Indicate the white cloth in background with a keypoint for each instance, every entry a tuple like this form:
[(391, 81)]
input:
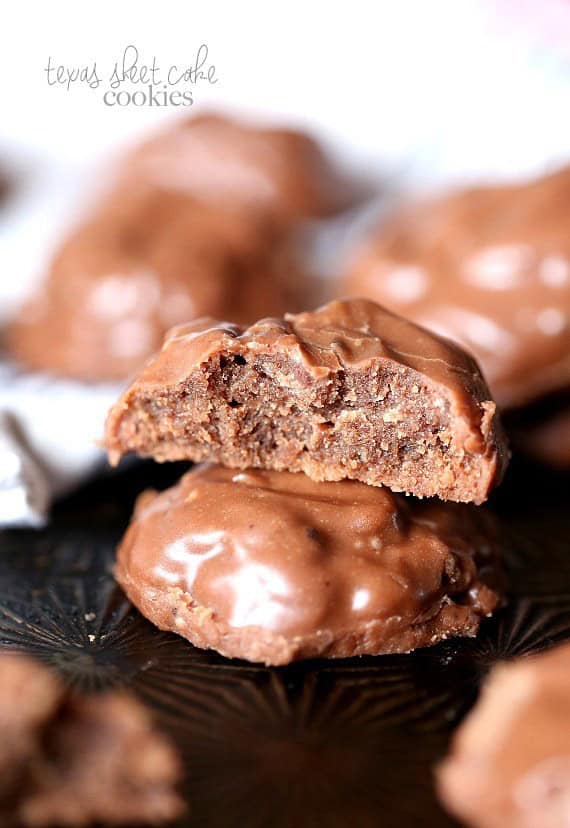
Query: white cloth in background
[(48, 440)]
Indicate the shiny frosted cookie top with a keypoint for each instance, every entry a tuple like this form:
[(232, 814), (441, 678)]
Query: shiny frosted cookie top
[(349, 390), (489, 268), (341, 334), (278, 551)]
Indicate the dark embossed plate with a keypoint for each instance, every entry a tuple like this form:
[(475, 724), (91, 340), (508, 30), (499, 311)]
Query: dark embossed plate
[(344, 743)]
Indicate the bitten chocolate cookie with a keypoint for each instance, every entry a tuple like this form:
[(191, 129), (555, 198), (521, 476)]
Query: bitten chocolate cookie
[(509, 765), (489, 268), (228, 161), (347, 391), (273, 567), (146, 260), (73, 760)]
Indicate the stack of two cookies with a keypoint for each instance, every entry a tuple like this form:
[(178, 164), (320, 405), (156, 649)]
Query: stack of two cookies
[(288, 541)]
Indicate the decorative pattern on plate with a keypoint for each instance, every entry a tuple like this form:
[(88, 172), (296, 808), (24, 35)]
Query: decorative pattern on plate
[(315, 744)]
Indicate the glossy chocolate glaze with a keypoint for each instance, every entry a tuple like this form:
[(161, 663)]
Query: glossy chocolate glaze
[(279, 552), (308, 353), (509, 765), (488, 267), (341, 334)]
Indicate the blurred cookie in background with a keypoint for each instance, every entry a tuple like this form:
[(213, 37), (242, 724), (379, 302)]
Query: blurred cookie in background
[(204, 219), (223, 160), (488, 267), (509, 763), (145, 260), (30, 696), (72, 759)]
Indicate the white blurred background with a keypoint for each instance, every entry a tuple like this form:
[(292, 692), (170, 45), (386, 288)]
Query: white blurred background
[(423, 93)]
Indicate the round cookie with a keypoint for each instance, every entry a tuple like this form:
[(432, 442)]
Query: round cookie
[(509, 765), (146, 260), (489, 268), (274, 567), (224, 161)]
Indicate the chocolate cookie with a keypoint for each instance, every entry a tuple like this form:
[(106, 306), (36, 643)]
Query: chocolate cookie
[(509, 765), (105, 764), (488, 267), (347, 391), (74, 760), (273, 567), (146, 260), (228, 161), (30, 695)]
